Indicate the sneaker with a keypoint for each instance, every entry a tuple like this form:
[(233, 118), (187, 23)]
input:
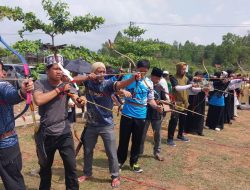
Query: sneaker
[(183, 138), (170, 142), (217, 129), (136, 168)]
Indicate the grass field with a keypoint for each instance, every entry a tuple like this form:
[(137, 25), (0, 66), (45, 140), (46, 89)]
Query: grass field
[(220, 160)]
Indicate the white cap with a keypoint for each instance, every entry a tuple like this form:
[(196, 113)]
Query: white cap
[(224, 74), (96, 65), (166, 72)]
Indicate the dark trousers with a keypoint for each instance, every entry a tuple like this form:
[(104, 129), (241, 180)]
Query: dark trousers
[(128, 127), (10, 168), (175, 117), (215, 117), (65, 145)]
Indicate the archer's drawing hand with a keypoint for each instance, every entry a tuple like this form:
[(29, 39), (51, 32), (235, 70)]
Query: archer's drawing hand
[(27, 86)]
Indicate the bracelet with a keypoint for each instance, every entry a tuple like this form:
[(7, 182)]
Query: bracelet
[(57, 91)]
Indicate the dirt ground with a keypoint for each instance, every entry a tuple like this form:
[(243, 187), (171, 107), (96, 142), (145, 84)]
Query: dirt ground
[(220, 160)]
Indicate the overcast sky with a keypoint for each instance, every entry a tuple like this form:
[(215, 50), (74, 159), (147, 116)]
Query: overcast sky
[(153, 11)]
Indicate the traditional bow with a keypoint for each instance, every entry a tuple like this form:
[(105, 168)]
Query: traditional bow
[(121, 54), (26, 73)]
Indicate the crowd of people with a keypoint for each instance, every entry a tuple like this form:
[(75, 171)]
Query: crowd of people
[(145, 101)]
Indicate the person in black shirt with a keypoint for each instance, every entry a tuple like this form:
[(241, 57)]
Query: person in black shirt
[(153, 116)]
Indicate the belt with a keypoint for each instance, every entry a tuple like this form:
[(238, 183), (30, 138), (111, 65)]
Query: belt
[(2, 102), (135, 104), (7, 134)]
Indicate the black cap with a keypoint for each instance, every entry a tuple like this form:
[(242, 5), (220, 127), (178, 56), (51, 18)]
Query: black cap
[(157, 72), (197, 73), (143, 63), (229, 72)]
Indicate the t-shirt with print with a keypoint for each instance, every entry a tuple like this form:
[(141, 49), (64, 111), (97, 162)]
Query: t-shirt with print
[(141, 91), (54, 114), (99, 93)]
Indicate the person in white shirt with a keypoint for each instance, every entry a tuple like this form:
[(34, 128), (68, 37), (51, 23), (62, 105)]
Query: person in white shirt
[(164, 84)]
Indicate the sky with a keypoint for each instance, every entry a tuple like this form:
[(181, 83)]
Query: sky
[(118, 14)]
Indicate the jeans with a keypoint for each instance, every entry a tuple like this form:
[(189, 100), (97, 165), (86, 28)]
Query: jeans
[(10, 168)]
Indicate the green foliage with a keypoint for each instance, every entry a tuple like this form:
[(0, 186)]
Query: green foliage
[(40, 68), (4, 52), (60, 20), (234, 49), (73, 52), (27, 46), (10, 13), (134, 32)]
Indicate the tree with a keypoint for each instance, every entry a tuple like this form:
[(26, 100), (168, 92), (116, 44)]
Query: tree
[(60, 20), (134, 32), (118, 37), (12, 14)]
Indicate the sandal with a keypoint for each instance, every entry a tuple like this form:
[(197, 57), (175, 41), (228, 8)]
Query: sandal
[(159, 157), (83, 178), (115, 182)]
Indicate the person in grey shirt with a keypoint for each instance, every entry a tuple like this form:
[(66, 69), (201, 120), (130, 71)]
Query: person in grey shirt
[(99, 121), (51, 97)]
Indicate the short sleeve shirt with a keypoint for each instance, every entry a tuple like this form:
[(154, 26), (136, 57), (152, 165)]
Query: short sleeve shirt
[(54, 114), (141, 91)]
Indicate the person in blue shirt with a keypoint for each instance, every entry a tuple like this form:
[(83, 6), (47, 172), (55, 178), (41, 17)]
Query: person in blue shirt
[(10, 155), (135, 108), (215, 115), (99, 118), (216, 109)]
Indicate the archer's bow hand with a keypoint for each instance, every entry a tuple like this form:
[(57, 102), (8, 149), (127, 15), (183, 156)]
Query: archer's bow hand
[(27, 86), (166, 108), (81, 101), (92, 76)]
